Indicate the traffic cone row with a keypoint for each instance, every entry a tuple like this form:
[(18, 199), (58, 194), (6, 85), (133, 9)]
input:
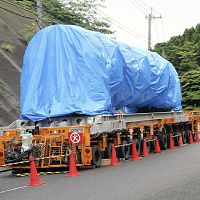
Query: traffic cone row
[(35, 180)]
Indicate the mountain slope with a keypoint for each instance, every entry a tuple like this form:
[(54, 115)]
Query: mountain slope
[(12, 47)]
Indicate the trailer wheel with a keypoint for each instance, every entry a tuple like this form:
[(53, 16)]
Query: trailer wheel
[(96, 156), (176, 140), (183, 137), (163, 141), (107, 152), (124, 150), (152, 144), (187, 133)]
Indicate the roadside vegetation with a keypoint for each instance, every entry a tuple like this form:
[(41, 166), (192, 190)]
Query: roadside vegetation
[(183, 52)]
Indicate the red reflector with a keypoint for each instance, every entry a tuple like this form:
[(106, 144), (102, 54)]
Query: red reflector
[(1, 154), (87, 150)]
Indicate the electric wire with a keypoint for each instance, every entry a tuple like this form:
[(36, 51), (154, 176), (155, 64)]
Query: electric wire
[(143, 5), (138, 7), (121, 26)]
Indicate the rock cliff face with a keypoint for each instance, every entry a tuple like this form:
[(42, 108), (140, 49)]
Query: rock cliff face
[(12, 47)]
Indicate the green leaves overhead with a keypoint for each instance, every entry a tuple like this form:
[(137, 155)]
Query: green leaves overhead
[(77, 12)]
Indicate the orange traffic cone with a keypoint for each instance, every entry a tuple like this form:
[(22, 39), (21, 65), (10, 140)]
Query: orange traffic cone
[(197, 137), (114, 160), (34, 178), (171, 142), (72, 166), (134, 152), (191, 138), (145, 150), (157, 146), (180, 140)]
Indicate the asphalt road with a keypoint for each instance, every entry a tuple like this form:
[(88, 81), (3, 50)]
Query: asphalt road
[(171, 175)]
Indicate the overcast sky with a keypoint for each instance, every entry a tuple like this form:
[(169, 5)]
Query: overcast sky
[(128, 19)]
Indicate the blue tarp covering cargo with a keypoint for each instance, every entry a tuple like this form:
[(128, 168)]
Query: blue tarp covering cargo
[(67, 69)]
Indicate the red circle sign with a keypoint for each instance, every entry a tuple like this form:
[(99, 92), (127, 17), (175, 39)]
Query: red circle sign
[(75, 138)]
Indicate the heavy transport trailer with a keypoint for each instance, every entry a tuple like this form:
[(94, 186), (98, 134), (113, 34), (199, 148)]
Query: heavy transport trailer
[(90, 138)]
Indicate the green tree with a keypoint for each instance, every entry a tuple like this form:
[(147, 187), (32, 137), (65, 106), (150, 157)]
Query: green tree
[(190, 83), (77, 12), (184, 53)]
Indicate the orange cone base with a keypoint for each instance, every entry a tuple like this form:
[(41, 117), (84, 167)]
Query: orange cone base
[(69, 175), (36, 183), (138, 158), (158, 151)]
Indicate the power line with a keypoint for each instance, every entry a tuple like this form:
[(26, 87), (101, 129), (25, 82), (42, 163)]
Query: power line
[(123, 27), (143, 5), (138, 7)]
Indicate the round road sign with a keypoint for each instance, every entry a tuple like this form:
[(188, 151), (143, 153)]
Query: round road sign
[(75, 138)]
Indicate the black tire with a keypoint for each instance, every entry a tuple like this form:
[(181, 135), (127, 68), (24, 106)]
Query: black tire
[(138, 146), (152, 144), (187, 133), (176, 140), (183, 137), (124, 150), (96, 156), (163, 141), (107, 152)]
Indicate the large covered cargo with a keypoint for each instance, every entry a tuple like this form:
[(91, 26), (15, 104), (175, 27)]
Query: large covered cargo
[(67, 70)]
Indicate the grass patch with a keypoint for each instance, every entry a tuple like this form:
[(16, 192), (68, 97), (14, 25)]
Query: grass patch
[(8, 47)]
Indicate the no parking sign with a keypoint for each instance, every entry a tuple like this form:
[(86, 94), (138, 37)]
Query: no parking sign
[(76, 137)]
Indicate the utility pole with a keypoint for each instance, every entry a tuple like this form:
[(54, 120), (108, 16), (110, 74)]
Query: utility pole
[(150, 17), (39, 13)]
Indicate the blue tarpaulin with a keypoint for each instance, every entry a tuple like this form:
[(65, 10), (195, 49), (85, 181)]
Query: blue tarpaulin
[(67, 69)]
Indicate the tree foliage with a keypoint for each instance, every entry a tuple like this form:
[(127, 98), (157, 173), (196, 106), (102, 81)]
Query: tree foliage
[(76, 12), (190, 82), (184, 53)]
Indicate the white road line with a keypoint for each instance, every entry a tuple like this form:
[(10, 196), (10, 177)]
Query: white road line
[(1, 192)]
